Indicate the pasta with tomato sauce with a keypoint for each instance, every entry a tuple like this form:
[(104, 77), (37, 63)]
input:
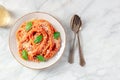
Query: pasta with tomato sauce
[(37, 40)]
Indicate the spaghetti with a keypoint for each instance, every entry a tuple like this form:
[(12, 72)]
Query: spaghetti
[(37, 40)]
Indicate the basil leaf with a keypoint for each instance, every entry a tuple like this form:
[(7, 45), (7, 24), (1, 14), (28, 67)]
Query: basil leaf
[(25, 54), (38, 39), (56, 35), (28, 26), (40, 58)]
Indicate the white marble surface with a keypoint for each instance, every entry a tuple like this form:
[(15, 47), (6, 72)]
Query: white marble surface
[(100, 38)]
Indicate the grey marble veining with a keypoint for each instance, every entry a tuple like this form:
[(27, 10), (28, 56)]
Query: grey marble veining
[(100, 39)]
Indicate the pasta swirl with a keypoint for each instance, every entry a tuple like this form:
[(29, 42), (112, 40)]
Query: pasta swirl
[(41, 31)]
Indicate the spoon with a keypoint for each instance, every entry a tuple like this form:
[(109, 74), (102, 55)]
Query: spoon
[(74, 22), (73, 26), (82, 60), (76, 25)]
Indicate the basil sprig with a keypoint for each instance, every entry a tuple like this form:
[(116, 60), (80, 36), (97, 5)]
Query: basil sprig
[(56, 35), (40, 58), (28, 26), (38, 39), (25, 54)]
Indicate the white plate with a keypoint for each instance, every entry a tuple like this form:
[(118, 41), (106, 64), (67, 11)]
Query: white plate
[(13, 43)]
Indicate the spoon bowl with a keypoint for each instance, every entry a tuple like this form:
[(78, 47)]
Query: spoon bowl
[(75, 23)]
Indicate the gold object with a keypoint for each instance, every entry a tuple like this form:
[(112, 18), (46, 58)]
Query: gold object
[(4, 16)]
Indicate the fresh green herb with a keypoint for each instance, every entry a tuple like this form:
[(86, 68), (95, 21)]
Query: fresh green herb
[(40, 58), (28, 26), (56, 35), (38, 39), (25, 54)]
